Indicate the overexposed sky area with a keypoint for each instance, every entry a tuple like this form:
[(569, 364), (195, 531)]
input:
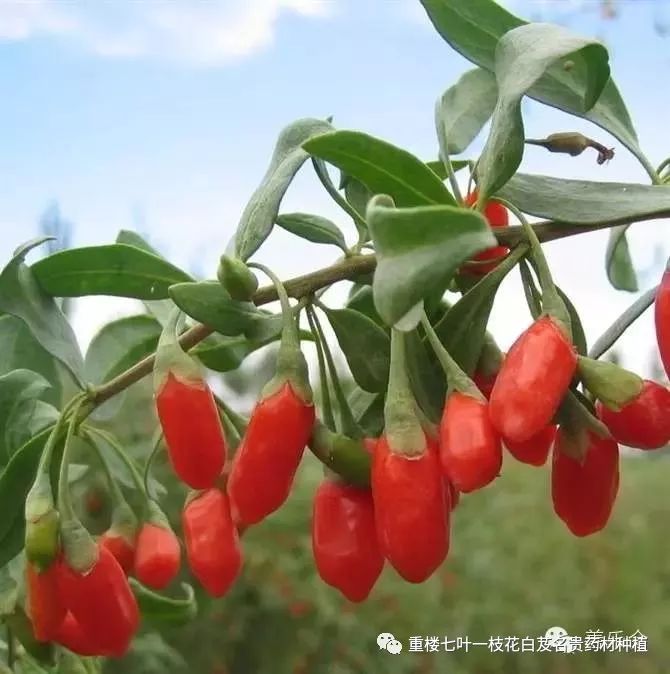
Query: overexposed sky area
[(162, 115)]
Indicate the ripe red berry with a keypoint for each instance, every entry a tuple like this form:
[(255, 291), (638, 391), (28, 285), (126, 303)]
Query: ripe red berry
[(45, 607), (662, 319), (535, 450), (643, 422), (72, 636), (470, 449), (484, 382), (497, 216), (212, 542), (268, 457), (101, 601), (192, 429), (122, 549), (344, 539), (411, 509), (157, 556), (532, 381), (583, 493)]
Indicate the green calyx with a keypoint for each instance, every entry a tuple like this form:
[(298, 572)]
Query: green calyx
[(577, 419), (172, 359), (124, 522), (291, 363), (345, 456), (611, 384), (402, 426), (156, 516), (42, 524), (236, 278), (79, 548)]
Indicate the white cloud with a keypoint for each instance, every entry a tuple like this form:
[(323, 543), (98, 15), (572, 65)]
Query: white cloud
[(198, 32)]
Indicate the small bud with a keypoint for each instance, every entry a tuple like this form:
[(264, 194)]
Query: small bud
[(611, 384), (236, 278)]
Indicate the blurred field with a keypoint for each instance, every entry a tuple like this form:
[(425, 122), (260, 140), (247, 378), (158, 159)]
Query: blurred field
[(513, 570)]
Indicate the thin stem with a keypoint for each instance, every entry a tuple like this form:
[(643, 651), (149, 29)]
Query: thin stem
[(290, 329), (451, 174), (662, 166), (238, 422), (627, 318), (324, 179), (533, 298), (64, 497), (119, 451), (147, 466), (326, 402), (457, 380), (11, 648), (349, 425)]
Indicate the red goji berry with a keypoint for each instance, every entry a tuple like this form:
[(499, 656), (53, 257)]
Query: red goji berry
[(72, 636), (122, 549), (484, 382), (193, 432), (411, 510), (532, 381), (497, 217), (583, 493), (662, 319), (212, 542), (535, 450), (45, 608), (157, 555), (470, 449), (101, 601), (643, 422), (344, 539), (453, 496), (268, 457)]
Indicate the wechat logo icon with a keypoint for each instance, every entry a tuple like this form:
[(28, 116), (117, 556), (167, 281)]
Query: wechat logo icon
[(387, 642)]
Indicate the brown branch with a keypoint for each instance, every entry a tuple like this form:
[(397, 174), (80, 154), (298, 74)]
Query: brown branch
[(347, 269)]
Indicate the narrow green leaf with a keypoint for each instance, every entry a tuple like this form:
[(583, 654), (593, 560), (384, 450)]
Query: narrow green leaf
[(474, 28), (117, 269), (619, 265), (382, 167), (586, 202), (437, 166), (19, 391), (523, 55), (209, 303), (120, 344), (578, 334), (15, 482), (462, 329), (463, 109), (314, 228), (362, 300), (165, 610), (365, 345), (21, 296), (225, 354), (426, 376), (27, 420), (261, 212), (358, 196), (368, 410), (419, 250)]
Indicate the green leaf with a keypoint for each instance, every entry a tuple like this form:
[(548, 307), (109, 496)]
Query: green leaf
[(27, 420), (586, 202), (22, 297), (116, 269), (419, 250), (463, 109), (160, 309), (261, 212), (437, 167), (209, 303), (224, 354), (13, 540), (474, 28), (365, 345), (19, 391), (368, 410), (120, 344), (578, 334), (523, 55), (462, 329), (358, 196), (361, 299), (165, 610), (15, 482), (619, 265), (425, 374), (314, 228), (382, 167)]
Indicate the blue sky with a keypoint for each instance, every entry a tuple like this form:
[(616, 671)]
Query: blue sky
[(164, 115)]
